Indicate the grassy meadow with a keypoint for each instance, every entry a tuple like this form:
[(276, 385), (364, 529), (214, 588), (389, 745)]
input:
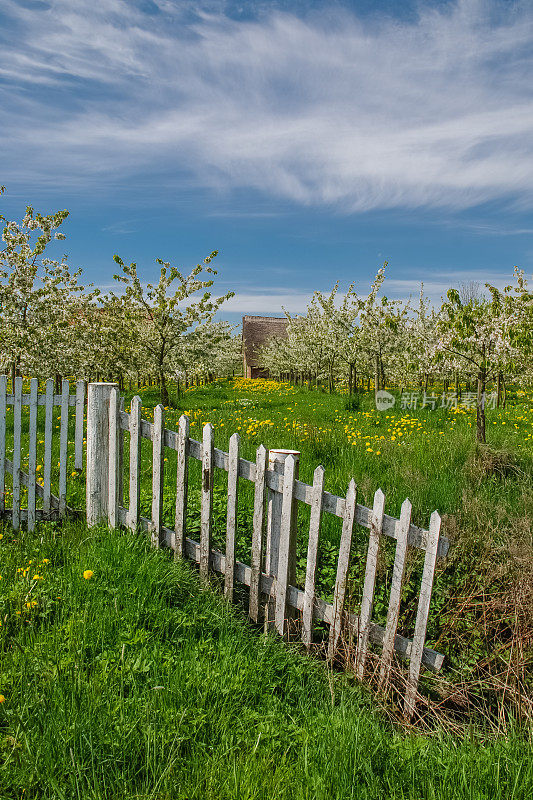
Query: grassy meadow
[(481, 611), (120, 678)]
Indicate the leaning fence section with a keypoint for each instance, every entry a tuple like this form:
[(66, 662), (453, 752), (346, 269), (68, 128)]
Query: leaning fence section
[(271, 571)]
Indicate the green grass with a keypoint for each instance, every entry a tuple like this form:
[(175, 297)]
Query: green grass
[(137, 684), (484, 495)]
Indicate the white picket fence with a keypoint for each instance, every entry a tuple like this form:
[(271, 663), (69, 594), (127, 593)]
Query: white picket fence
[(271, 574), (54, 506)]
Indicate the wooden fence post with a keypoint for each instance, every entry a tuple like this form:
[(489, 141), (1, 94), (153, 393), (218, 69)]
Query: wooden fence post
[(276, 463), (98, 398), (182, 487), (207, 501)]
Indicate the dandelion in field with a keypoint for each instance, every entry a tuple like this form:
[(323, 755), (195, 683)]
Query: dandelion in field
[(88, 573), (2, 698), (38, 577)]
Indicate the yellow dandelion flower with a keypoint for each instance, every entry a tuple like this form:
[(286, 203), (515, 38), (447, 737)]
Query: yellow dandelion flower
[(88, 573)]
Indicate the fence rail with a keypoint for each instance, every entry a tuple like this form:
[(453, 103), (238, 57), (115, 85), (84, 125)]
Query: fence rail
[(271, 573)]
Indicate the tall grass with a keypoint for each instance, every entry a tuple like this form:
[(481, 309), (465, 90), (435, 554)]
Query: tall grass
[(135, 683)]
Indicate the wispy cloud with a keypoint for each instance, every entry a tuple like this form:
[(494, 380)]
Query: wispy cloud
[(356, 114)]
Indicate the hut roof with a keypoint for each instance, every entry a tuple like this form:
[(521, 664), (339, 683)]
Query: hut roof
[(257, 331)]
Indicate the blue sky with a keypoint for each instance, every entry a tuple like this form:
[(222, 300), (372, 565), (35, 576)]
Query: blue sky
[(306, 141)]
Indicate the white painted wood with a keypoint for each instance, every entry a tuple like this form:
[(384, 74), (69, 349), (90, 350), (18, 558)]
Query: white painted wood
[(312, 552), (98, 395), (367, 600), (17, 429), (182, 486), (48, 434), (422, 613), (3, 410), (158, 452), (276, 466), (286, 540), (32, 453), (231, 519), (113, 465), (343, 565), (78, 435), (135, 463), (63, 447), (207, 501), (257, 534), (395, 596), (120, 455)]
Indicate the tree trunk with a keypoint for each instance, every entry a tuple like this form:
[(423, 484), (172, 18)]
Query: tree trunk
[(164, 389), (376, 376), (58, 383), (499, 390), (457, 386), (480, 407)]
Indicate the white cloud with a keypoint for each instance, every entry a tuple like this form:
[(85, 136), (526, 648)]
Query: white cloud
[(324, 110)]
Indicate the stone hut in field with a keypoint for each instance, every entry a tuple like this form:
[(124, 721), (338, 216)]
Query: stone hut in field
[(256, 333)]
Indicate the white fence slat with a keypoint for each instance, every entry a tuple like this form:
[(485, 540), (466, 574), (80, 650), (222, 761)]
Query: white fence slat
[(17, 430), (78, 435), (422, 613), (231, 520), (207, 501), (63, 448), (97, 458), (367, 600), (48, 433), (135, 462), (3, 409), (32, 453), (120, 455), (284, 555), (395, 596), (257, 534), (312, 551), (182, 486), (113, 467), (343, 565), (158, 452)]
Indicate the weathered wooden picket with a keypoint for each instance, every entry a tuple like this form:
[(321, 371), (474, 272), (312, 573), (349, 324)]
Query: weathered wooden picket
[(271, 574)]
